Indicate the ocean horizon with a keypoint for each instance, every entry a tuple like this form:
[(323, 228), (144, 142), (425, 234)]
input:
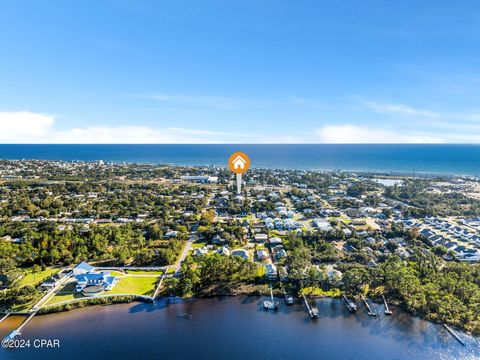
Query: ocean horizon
[(445, 159)]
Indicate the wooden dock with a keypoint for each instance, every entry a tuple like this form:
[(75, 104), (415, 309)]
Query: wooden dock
[(387, 310), (157, 289), (4, 317), (367, 305), (454, 334), (312, 311), (184, 315), (351, 306), (18, 331)]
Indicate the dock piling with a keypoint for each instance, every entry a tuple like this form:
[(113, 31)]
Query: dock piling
[(454, 334), (387, 310)]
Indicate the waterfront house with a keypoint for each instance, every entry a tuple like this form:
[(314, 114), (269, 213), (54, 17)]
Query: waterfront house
[(102, 279), (271, 272)]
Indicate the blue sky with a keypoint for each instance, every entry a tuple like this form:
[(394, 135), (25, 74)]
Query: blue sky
[(239, 71)]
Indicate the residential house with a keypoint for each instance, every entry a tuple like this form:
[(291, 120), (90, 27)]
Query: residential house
[(82, 268), (241, 252), (53, 281), (271, 272)]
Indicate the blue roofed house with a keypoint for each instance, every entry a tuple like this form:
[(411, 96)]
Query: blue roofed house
[(87, 277), (102, 279)]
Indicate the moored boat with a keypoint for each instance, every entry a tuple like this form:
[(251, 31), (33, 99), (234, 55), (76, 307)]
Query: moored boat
[(351, 306)]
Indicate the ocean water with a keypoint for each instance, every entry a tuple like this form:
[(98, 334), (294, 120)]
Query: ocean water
[(435, 159)]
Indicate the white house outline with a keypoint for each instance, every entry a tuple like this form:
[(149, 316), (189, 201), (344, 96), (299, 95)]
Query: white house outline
[(239, 163)]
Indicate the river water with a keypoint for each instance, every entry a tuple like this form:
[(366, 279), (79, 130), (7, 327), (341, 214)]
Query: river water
[(236, 328)]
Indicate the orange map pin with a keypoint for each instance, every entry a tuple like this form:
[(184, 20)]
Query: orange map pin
[(239, 163)]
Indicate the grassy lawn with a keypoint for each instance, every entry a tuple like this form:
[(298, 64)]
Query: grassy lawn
[(116, 273), (141, 272), (24, 307), (199, 244), (34, 279), (314, 291), (261, 271), (64, 294), (260, 247), (134, 285)]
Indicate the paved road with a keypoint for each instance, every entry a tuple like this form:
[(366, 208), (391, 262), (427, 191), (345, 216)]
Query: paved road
[(185, 252)]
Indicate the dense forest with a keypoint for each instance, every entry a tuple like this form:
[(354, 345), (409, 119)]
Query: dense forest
[(426, 286)]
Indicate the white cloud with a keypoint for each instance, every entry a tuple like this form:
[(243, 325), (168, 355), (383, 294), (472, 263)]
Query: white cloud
[(27, 127), (353, 134), (398, 109), (23, 125)]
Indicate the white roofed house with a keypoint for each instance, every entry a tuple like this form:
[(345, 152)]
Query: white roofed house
[(322, 224), (262, 255), (275, 241), (82, 268), (224, 250), (261, 237), (200, 251), (244, 254), (271, 272)]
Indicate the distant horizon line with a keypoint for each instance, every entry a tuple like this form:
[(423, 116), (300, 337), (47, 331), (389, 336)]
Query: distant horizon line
[(242, 144)]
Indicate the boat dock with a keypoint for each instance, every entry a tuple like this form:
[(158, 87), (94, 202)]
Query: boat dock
[(157, 289), (387, 310), (351, 306), (184, 315), (4, 317), (454, 334), (367, 305), (312, 311), (17, 331), (271, 304)]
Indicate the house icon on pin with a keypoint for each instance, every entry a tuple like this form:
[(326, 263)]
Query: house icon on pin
[(239, 163)]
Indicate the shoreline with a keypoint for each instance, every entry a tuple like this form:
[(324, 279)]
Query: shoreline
[(365, 172), (117, 300)]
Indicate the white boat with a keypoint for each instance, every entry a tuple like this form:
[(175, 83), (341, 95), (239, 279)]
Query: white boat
[(271, 304), (289, 300), (12, 335)]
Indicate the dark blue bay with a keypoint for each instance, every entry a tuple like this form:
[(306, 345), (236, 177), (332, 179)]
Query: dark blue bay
[(238, 328)]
